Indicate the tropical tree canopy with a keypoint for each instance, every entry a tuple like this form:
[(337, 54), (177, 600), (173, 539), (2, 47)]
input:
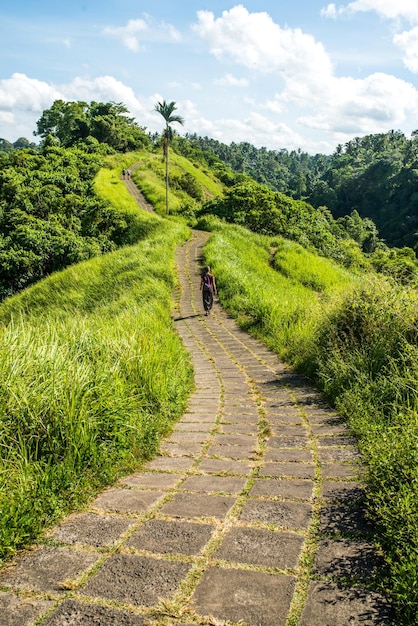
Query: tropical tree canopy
[(73, 123)]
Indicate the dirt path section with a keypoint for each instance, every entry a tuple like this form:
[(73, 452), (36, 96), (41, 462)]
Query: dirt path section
[(252, 513), (135, 192)]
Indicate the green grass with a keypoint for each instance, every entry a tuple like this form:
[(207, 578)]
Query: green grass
[(150, 178), (276, 307), (92, 375), (357, 338)]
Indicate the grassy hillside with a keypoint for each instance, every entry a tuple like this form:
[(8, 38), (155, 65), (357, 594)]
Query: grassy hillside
[(92, 375), (191, 183), (357, 338)]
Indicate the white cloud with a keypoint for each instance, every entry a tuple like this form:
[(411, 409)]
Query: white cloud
[(389, 9), (255, 41), (139, 30), (305, 74), (232, 81), (28, 94), (364, 106), (24, 99), (255, 128), (408, 42), (330, 11)]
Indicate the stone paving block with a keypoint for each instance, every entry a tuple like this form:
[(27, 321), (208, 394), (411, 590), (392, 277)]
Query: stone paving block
[(286, 455), (247, 441), (340, 518), (339, 490), (283, 514), (196, 505), (208, 417), (349, 559), (284, 417), (46, 569), (208, 484), (189, 427), (126, 500), (16, 611), (295, 441), (250, 429), (171, 464), (294, 489), (331, 426), (165, 537), (333, 440), (238, 453), (149, 480), (338, 470), (339, 455), (239, 417), (136, 580), (331, 605), (224, 466), (256, 598), (73, 613), (186, 437), (286, 430), (290, 470), (90, 529), (258, 546), (181, 449)]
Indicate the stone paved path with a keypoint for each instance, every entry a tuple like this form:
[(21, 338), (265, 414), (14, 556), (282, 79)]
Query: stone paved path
[(252, 514)]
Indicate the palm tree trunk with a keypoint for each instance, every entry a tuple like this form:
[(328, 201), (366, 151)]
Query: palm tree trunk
[(166, 178)]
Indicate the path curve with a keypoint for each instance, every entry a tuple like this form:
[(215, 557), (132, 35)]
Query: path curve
[(252, 512)]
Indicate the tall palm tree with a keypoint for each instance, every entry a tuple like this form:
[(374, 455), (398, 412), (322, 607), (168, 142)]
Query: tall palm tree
[(166, 110)]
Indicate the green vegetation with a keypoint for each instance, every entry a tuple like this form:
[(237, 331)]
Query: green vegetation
[(166, 110), (92, 374), (86, 394), (357, 338), (95, 127), (350, 241), (190, 184), (50, 216), (375, 175)]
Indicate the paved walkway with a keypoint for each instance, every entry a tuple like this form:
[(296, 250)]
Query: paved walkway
[(252, 514)]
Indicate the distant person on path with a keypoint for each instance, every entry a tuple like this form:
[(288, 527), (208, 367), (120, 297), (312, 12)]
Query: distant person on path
[(208, 288)]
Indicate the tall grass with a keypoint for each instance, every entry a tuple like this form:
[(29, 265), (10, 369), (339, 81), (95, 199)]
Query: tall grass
[(150, 178), (277, 307), (357, 337), (91, 376)]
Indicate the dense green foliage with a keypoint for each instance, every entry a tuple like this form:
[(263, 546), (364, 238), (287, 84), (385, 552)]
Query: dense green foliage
[(291, 173), (350, 240), (378, 176), (359, 343), (91, 126), (87, 394), (375, 175), (50, 216)]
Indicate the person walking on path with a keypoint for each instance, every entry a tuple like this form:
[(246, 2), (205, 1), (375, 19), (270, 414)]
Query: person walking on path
[(208, 288)]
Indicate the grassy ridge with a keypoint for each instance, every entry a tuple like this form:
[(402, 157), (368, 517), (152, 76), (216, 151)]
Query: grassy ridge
[(358, 339), (92, 375), (150, 178)]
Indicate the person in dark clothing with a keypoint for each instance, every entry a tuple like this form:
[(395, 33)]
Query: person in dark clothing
[(208, 288)]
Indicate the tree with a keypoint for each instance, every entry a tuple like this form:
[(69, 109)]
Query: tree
[(166, 110)]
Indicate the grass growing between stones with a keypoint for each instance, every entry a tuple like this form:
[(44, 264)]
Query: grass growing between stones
[(91, 376), (356, 337)]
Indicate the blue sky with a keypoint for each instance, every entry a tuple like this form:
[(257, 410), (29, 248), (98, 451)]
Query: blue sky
[(305, 74)]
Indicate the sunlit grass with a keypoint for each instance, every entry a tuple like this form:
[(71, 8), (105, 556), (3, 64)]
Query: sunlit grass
[(357, 337), (92, 375)]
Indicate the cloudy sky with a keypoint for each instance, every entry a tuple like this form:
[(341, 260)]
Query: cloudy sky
[(289, 74)]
